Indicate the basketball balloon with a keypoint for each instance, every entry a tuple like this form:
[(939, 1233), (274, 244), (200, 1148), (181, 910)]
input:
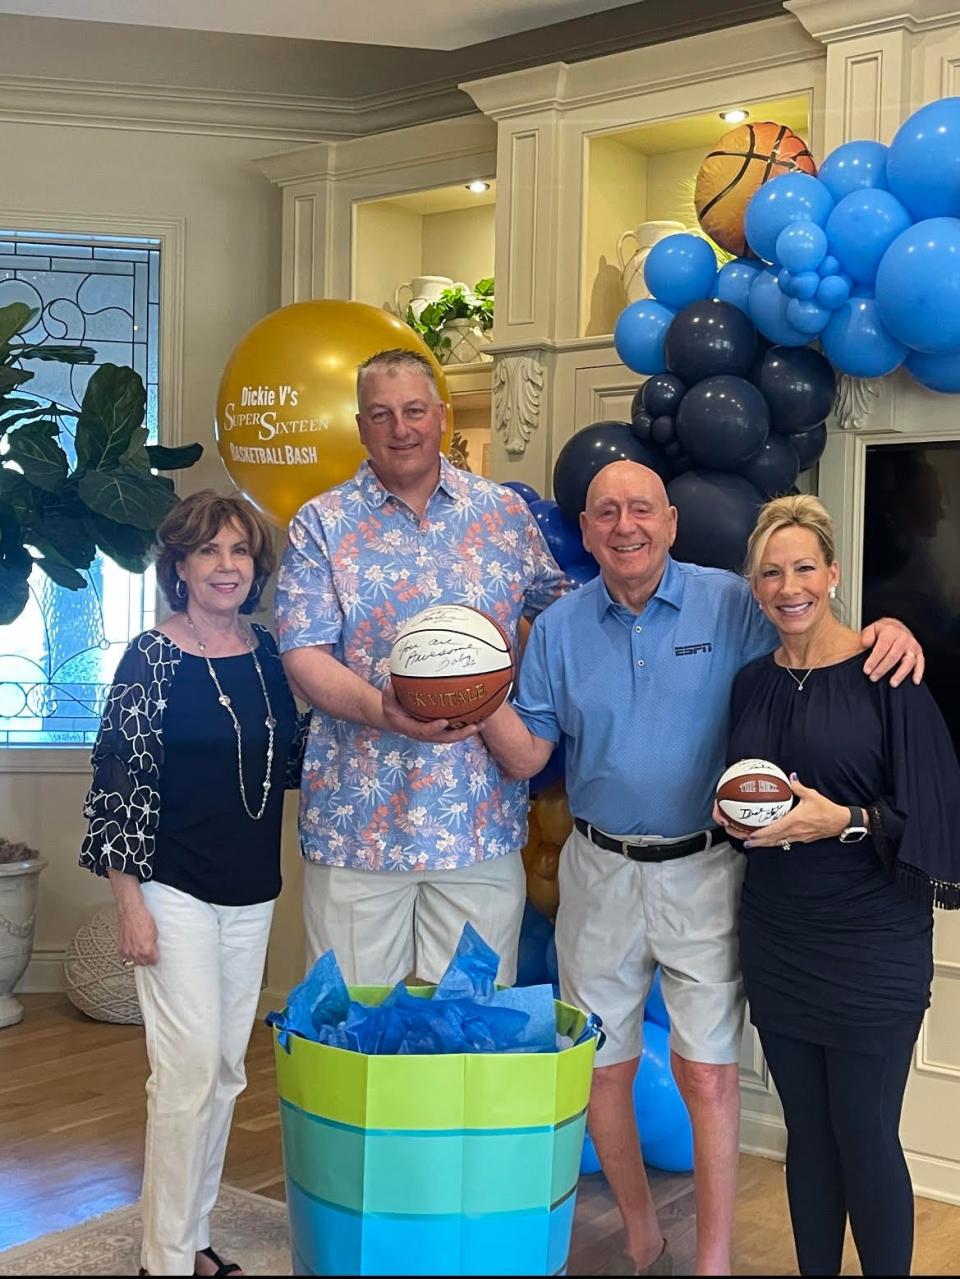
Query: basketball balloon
[(286, 409), (739, 164), (451, 662)]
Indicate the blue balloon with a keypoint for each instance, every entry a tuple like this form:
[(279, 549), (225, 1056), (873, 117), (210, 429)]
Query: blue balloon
[(793, 197), (554, 770), (722, 421), (923, 163), (526, 491), (829, 265), (785, 279), (768, 310), (680, 269), (551, 959), (801, 246), (918, 286), (857, 342), (589, 1159), (808, 317), (833, 291), (673, 1153), (805, 285), (774, 469), (734, 280), (862, 227), (562, 537), (936, 372), (655, 1009), (580, 574), (854, 166), (639, 335), (532, 960), (533, 924)]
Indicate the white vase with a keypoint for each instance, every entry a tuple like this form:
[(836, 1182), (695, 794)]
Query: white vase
[(645, 237), (19, 882), (467, 342), (423, 289)]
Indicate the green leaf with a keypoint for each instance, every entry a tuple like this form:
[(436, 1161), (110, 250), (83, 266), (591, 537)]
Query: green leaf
[(18, 493), (62, 574), (14, 318), (10, 377), (54, 351), (126, 546), (34, 447), (135, 455), (63, 538), (174, 459), (112, 409), (14, 593), (484, 288), (128, 497)]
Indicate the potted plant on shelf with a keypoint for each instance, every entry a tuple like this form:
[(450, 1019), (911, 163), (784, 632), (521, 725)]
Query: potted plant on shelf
[(20, 869), (58, 507), (456, 326)]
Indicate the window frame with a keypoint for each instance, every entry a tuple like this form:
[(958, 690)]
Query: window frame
[(171, 232)]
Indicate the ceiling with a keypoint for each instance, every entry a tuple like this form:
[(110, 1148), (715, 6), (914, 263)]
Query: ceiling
[(423, 24)]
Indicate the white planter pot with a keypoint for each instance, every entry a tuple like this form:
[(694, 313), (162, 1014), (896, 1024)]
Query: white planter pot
[(19, 882), (468, 343), (422, 289)]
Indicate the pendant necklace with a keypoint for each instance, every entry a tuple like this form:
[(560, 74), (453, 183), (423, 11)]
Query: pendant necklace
[(224, 701), (800, 682)]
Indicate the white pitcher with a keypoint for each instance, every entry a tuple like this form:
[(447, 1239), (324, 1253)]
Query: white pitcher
[(423, 290), (631, 269)]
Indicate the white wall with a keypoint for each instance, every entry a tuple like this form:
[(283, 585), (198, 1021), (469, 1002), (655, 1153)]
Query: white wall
[(231, 279)]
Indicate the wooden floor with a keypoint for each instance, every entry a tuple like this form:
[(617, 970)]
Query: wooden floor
[(71, 1138)]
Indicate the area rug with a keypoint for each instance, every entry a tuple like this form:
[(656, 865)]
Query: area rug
[(247, 1228)]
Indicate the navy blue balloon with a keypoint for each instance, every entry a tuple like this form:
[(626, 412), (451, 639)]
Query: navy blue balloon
[(854, 166), (562, 537), (799, 386), (642, 427), (722, 422), (639, 335), (554, 770), (708, 338), (857, 342), (862, 227), (526, 491), (918, 287), (661, 394), (774, 468), (580, 574), (589, 451), (734, 280), (923, 163), (716, 513), (663, 430), (809, 445)]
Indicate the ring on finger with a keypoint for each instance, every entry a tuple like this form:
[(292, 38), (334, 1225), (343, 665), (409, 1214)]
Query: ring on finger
[(127, 963), (785, 845)]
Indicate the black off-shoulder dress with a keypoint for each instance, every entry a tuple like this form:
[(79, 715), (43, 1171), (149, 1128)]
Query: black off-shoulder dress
[(836, 939)]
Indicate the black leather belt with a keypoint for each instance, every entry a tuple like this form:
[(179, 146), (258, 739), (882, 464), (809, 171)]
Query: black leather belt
[(651, 852)]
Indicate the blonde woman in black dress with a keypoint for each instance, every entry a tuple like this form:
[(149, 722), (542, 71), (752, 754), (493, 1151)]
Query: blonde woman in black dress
[(836, 919)]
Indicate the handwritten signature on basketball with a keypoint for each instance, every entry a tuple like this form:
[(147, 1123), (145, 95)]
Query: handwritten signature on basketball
[(442, 653)]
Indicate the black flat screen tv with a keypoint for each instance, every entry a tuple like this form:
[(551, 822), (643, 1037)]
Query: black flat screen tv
[(911, 555)]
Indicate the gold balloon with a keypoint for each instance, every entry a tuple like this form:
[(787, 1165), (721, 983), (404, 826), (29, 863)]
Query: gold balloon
[(553, 814), (286, 408)]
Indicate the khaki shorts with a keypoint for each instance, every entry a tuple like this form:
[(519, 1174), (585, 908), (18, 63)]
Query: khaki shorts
[(385, 926), (619, 919)]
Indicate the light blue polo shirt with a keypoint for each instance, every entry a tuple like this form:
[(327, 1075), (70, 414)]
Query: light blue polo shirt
[(643, 700)]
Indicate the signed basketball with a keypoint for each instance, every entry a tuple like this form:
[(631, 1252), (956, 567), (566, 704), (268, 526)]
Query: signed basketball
[(753, 793)]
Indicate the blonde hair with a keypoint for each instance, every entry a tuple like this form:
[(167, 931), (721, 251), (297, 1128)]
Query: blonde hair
[(197, 520), (799, 511)]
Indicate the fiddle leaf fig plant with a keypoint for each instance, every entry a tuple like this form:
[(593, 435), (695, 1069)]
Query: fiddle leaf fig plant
[(56, 513), (454, 303)]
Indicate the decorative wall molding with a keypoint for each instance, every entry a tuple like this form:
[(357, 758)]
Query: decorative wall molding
[(517, 393), (856, 397), (828, 20)]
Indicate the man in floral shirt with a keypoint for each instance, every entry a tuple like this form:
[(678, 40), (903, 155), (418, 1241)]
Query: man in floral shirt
[(408, 829)]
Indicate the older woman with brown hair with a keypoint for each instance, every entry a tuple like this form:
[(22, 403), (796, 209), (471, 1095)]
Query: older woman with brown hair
[(199, 738), (836, 918)]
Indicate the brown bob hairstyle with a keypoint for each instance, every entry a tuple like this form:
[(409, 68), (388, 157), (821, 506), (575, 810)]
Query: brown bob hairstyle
[(197, 520)]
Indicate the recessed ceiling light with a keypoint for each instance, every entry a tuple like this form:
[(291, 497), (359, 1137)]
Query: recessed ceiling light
[(478, 186), (735, 116)]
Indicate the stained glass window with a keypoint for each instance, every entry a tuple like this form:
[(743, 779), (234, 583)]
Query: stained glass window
[(58, 657)]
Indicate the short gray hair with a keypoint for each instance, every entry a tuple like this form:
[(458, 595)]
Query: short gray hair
[(399, 357)]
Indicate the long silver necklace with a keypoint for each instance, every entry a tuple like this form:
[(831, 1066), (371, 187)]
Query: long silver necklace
[(800, 682), (224, 701)]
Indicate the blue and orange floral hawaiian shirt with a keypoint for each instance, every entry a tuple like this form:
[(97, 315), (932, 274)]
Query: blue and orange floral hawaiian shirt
[(359, 564)]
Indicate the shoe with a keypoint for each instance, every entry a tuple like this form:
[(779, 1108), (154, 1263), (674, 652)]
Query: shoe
[(225, 1267), (624, 1264)]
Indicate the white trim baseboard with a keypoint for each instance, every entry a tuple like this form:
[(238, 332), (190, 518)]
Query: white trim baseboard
[(44, 973), (763, 1135)]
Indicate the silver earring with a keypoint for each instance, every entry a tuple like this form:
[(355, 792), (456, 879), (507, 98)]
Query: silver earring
[(181, 590), (832, 592)]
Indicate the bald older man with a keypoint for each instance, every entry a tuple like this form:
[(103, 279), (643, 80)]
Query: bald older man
[(635, 670)]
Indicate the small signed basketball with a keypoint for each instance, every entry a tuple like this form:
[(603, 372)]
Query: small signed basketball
[(753, 793), (451, 662)]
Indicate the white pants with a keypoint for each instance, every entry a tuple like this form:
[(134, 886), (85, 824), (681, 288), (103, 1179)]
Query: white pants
[(199, 1003), (384, 926)]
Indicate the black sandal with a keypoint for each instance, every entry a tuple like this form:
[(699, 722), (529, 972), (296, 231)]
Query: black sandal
[(223, 1267)]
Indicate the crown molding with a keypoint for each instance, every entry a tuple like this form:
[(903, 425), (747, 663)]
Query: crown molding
[(272, 117), (829, 20)]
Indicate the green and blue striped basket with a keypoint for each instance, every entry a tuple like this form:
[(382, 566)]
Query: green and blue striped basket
[(460, 1164)]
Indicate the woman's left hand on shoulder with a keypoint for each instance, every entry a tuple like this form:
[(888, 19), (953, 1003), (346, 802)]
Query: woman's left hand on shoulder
[(812, 817)]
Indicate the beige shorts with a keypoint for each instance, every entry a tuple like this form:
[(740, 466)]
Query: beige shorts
[(619, 919), (385, 926)]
